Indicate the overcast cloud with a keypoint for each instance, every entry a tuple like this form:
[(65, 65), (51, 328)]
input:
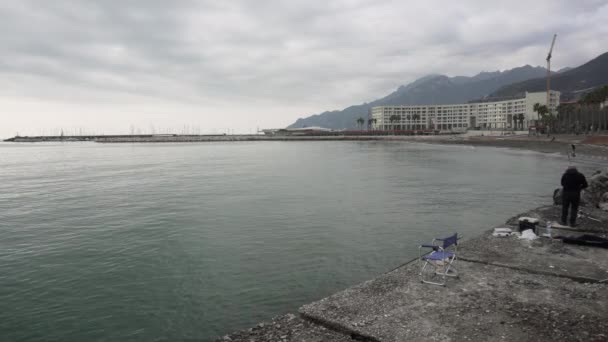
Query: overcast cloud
[(107, 65)]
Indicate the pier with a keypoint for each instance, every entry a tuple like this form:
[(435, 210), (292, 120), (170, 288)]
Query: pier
[(169, 138), (509, 289)]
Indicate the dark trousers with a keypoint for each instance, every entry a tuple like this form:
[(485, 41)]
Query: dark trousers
[(570, 199)]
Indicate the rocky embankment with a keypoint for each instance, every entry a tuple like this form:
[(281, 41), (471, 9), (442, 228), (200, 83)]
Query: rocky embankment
[(596, 195)]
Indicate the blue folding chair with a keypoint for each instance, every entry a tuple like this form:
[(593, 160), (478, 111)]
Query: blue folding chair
[(440, 262)]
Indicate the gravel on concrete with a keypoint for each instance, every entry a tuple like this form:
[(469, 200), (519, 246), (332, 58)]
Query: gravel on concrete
[(487, 303), (286, 328)]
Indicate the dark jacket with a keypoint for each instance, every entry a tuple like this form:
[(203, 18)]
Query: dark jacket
[(573, 181)]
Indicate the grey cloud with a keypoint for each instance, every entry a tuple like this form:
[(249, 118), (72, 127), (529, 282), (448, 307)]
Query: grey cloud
[(338, 51)]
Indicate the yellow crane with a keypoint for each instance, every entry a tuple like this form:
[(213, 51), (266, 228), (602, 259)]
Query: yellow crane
[(549, 71)]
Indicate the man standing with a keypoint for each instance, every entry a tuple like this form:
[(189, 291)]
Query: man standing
[(572, 182)]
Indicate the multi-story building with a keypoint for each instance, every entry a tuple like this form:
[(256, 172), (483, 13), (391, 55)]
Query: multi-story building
[(509, 113)]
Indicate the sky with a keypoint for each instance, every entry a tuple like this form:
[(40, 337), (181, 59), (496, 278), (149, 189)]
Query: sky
[(185, 66)]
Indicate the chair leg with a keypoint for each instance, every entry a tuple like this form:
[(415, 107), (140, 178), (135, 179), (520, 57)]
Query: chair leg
[(451, 269), (431, 273), (422, 268)]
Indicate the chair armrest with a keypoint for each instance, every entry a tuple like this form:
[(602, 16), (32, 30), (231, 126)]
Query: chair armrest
[(430, 246), (458, 238)]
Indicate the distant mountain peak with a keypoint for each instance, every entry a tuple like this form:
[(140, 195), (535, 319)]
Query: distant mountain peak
[(569, 81)]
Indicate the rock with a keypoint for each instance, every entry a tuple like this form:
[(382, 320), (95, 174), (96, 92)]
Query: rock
[(557, 196), (598, 186), (604, 202)]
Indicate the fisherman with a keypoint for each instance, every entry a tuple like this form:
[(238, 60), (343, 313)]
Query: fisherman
[(572, 182)]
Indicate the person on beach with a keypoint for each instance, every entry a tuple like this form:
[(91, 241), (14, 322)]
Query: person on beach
[(572, 182)]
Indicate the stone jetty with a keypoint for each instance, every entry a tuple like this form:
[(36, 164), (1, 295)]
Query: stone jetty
[(509, 289)]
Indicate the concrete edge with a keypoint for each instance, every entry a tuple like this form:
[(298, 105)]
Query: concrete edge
[(527, 270), (343, 329), (337, 327)]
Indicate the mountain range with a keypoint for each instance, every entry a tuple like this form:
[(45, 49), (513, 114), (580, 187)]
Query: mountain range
[(577, 80), (441, 89)]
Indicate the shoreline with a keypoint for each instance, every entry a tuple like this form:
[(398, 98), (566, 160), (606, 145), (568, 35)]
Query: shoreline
[(589, 145), (561, 145), (511, 289)]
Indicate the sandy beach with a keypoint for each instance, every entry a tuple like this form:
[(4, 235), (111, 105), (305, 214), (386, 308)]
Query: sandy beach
[(588, 145)]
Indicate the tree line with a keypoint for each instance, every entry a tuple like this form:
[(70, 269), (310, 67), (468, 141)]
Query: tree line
[(589, 114)]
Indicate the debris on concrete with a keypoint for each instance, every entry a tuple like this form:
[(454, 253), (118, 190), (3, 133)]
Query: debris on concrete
[(502, 232), (528, 234)]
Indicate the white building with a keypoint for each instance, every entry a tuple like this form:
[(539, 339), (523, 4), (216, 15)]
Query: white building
[(497, 114)]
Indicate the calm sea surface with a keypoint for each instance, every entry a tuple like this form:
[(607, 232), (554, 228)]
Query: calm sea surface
[(155, 242)]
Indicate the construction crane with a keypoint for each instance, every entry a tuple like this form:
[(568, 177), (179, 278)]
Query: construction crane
[(549, 71)]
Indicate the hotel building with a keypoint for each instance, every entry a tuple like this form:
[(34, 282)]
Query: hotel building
[(492, 114)]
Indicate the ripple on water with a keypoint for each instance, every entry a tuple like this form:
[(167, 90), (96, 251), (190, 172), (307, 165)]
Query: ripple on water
[(145, 242)]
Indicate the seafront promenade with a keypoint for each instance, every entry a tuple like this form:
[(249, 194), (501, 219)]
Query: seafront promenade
[(509, 289)]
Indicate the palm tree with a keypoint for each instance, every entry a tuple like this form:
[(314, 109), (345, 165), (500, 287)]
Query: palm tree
[(360, 122), (541, 112), (416, 117), (520, 117), (393, 118)]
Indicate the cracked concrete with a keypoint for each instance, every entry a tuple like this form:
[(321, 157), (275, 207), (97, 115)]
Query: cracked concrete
[(487, 303)]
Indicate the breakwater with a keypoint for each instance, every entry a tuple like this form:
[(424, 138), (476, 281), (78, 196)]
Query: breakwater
[(509, 289), (106, 138), (169, 138), (206, 138)]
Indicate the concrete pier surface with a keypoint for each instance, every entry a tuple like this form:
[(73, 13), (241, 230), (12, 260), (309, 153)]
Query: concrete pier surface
[(509, 289)]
